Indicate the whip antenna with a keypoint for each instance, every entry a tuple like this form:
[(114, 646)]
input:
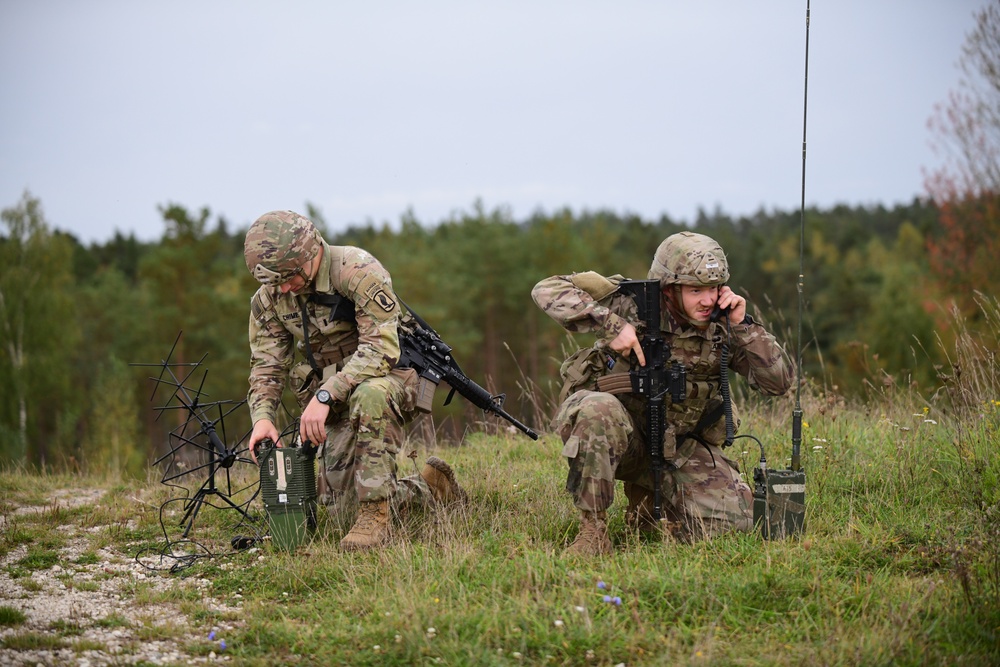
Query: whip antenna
[(797, 412), (779, 496)]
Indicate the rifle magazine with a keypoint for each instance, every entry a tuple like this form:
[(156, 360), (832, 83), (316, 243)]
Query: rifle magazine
[(425, 395), (617, 383)]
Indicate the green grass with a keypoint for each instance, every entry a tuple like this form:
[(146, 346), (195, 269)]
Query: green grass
[(11, 616), (113, 621), (39, 559), (66, 628), (900, 564), (32, 641)]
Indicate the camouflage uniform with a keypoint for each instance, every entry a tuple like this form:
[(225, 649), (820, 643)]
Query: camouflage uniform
[(355, 346), (603, 433)]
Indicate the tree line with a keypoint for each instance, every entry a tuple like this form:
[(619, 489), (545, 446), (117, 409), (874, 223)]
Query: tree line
[(74, 318)]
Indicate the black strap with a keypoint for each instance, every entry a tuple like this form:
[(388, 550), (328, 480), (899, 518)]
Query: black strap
[(341, 308), (305, 335), (706, 420)]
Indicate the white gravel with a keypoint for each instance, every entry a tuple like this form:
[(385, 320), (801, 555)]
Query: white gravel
[(71, 595)]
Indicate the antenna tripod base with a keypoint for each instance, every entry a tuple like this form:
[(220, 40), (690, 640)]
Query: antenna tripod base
[(194, 504)]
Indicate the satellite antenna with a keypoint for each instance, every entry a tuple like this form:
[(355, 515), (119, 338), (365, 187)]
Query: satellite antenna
[(198, 448)]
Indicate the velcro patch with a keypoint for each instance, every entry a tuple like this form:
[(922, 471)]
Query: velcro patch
[(260, 305), (370, 284), (594, 284), (384, 301)]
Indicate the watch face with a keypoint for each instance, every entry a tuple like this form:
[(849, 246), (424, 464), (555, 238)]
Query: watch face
[(323, 396)]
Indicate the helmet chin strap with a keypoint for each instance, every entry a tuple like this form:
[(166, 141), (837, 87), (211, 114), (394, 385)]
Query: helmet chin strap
[(675, 306)]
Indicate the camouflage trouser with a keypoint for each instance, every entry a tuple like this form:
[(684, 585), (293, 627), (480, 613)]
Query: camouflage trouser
[(363, 440), (603, 442), (711, 495)]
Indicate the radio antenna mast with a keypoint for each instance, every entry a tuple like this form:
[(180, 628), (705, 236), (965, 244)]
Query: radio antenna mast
[(797, 412), (779, 497)]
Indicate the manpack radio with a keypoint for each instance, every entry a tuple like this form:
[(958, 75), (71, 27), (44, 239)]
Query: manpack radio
[(288, 487)]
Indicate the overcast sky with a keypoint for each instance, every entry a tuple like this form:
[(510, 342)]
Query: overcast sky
[(109, 109)]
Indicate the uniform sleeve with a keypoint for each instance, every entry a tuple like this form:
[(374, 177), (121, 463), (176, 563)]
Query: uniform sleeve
[(271, 355), (570, 301), (377, 311), (760, 359)]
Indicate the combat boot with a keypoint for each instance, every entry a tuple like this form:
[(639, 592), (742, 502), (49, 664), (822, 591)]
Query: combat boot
[(592, 540), (639, 515), (371, 529), (441, 480)]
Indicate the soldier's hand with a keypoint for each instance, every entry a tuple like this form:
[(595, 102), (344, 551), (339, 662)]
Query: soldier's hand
[(312, 424), (262, 430), (737, 305), (627, 342)]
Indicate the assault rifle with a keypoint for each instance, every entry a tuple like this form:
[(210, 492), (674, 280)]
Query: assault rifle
[(656, 378), (424, 351)]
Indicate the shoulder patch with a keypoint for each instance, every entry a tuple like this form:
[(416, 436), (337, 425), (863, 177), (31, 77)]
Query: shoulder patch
[(375, 296), (384, 301), (261, 304)]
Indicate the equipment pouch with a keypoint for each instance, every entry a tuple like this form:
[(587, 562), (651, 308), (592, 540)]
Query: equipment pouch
[(330, 371), (409, 399), (580, 371), (669, 442), (304, 382), (716, 433)]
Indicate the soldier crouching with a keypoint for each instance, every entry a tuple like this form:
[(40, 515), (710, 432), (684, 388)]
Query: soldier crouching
[(602, 424), (336, 306)]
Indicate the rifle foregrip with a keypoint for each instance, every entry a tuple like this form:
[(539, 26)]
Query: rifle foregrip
[(468, 388)]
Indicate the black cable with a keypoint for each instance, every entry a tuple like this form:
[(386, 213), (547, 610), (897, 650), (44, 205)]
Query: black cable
[(727, 403)]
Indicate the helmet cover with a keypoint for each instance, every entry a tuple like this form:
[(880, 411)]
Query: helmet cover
[(688, 258), (278, 244)]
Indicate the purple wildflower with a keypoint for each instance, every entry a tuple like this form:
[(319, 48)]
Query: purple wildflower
[(607, 598), (617, 600), (211, 635), (601, 585), (222, 645)]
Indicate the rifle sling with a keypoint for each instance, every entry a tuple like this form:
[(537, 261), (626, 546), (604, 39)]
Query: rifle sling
[(305, 337)]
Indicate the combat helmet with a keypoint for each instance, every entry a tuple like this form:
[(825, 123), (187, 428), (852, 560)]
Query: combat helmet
[(687, 258), (278, 245)]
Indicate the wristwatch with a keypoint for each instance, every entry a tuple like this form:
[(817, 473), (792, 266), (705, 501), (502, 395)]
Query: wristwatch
[(324, 397)]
